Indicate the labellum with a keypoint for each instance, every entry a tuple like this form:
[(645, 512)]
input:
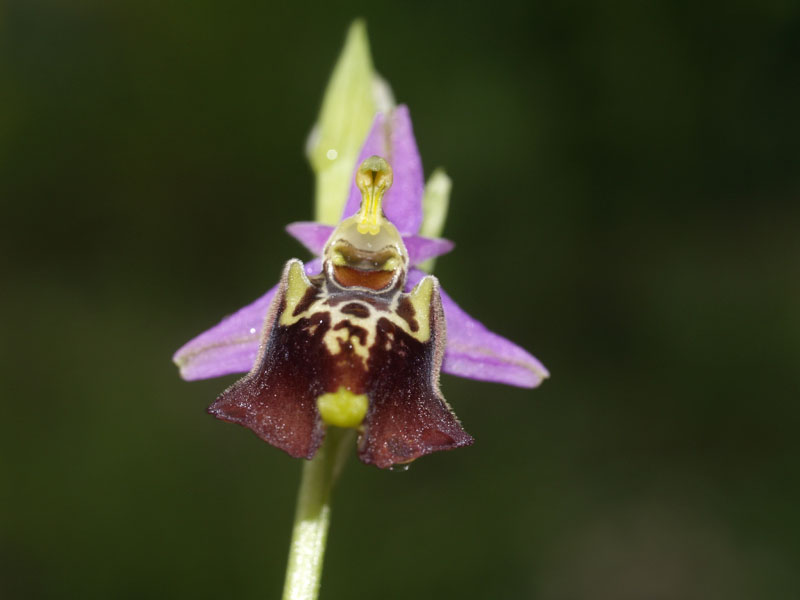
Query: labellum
[(350, 348)]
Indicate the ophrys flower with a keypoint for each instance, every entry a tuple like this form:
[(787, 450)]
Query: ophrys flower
[(357, 337)]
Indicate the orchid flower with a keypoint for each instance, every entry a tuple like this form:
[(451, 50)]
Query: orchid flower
[(237, 343), (355, 339)]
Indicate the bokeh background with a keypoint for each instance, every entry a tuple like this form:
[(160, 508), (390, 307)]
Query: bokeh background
[(629, 169)]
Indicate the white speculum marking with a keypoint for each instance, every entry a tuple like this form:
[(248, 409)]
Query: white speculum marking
[(336, 340)]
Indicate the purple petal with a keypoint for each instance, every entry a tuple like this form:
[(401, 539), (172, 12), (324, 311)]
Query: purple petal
[(232, 345), (474, 352), (312, 235), (421, 248), (393, 139), (315, 235)]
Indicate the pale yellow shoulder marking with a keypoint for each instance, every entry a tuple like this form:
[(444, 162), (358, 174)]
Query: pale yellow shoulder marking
[(297, 284), (420, 298)]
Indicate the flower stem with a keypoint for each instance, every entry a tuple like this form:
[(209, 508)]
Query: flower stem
[(311, 520)]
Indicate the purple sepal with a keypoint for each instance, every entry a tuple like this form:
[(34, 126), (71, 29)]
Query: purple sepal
[(231, 346), (393, 139), (474, 352)]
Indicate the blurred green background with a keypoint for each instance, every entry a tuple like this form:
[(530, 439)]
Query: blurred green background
[(632, 169)]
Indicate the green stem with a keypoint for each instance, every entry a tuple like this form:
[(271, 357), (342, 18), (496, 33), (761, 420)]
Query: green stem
[(313, 514)]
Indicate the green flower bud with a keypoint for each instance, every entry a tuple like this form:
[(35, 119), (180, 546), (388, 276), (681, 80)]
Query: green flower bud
[(435, 201), (348, 107)]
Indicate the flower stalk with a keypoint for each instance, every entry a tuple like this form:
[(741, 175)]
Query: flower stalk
[(312, 517)]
